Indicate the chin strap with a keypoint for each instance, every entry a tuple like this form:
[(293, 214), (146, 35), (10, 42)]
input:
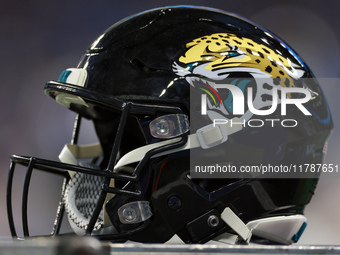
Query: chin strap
[(72, 152), (206, 137)]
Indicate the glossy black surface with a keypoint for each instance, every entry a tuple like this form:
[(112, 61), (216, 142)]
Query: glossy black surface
[(132, 64)]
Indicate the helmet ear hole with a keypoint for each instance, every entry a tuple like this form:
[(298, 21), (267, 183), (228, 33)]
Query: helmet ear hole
[(142, 66)]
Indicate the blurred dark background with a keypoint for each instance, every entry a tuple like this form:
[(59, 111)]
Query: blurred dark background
[(39, 39)]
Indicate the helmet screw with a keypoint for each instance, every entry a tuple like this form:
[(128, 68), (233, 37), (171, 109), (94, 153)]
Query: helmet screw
[(129, 214), (213, 221), (174, 203)]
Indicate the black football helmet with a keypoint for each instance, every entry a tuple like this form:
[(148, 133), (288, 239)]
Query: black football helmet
[(142, 83)]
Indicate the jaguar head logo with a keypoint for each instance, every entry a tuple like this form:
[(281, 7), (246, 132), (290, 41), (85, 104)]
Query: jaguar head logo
[(224, 58)]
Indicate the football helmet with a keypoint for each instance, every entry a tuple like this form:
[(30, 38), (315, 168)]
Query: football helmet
[(142, 84)]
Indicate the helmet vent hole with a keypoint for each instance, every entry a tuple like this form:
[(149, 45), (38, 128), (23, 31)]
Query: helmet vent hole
[(143, 67)]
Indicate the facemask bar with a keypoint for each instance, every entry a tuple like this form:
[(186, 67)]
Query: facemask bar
[(33, 163), (108, 174), (111, 164), (113, 160)]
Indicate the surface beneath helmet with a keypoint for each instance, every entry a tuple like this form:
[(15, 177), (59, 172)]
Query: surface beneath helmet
[(92, 246)]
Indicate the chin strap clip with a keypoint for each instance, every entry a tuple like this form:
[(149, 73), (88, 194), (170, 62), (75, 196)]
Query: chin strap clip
[(215, 134), (235, 223)]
